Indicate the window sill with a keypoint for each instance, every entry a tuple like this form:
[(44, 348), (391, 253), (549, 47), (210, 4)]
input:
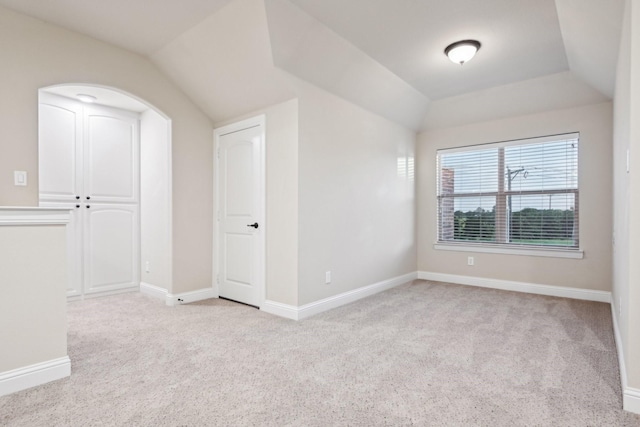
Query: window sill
[(511, 250)]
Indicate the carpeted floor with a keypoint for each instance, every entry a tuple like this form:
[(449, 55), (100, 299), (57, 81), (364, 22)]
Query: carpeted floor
[(425, 353)]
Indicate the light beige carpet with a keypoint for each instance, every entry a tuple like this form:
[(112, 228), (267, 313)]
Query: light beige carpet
[(425, 353)]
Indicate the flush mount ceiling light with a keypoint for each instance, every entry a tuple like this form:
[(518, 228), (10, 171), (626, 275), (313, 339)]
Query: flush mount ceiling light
[(462, 51), (86, 98)]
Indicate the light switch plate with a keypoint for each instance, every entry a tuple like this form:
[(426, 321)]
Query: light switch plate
[(20, 178)]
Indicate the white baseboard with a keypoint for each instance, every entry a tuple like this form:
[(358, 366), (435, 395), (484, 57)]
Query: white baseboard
[(631, 400), (34, 375), (153, 291), (83, 297), (630, 395), (175, 299), (508, 285), (283, 310), (193, 296), (336, 301), (316, 307)]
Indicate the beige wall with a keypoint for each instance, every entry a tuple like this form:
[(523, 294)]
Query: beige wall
[(33, 308), (621, 198), (337, 197), (633, 303), (155, 199), (626, 277), (34, 54), (594, 271), (282, 202), (356, 197)]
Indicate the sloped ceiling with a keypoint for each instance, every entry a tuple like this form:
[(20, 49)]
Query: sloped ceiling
[(140, 26), (591, 33), (234, 56), (306, 48), (224, 64)]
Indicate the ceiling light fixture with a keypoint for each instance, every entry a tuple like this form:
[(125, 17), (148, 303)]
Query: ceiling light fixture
[(462, 51), (86, 98)]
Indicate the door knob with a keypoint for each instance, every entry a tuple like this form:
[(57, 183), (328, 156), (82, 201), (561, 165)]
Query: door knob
[(77, 206), (88, 197), (77, 197), (88, 206), (254, 225)]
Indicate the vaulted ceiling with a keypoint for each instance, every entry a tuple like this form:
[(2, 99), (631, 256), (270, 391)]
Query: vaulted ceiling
[(235, 56)]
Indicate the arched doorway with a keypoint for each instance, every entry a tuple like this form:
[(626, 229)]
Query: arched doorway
[(109, 162)]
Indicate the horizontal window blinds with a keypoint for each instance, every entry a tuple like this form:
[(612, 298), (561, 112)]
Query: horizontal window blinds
[(515, 193)]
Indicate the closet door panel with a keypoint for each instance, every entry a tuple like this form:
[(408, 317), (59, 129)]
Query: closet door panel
[(59, 149), (111, 247), (74, 246), (111, 156)]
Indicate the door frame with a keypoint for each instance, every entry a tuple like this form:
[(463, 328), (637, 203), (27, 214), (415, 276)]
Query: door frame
[(257, 121)]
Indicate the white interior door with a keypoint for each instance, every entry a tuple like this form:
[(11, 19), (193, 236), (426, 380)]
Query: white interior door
[(241, 227), (110, 247)]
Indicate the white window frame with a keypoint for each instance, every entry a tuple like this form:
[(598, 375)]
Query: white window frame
[(502, 247)]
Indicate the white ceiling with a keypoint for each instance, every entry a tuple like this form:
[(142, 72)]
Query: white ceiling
[(385, 55), (520, 39), (142, 26)]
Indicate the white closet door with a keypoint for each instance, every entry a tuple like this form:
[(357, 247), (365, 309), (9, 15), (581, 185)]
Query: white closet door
[(111, 156), (59, 148), (111, 247), (89, 162)]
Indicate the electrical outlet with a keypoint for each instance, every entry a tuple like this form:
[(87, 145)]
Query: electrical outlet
[(327, 277), (20, 178), (146, 267), (470, 261)]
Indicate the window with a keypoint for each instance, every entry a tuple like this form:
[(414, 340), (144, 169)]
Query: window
[(514, 194)]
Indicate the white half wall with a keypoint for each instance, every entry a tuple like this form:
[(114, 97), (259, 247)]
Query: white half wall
[(33, 307)]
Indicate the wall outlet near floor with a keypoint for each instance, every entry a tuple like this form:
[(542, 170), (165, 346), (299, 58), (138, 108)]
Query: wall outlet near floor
[(327, 277), (470, 261), (20, 178), (146, 267)]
